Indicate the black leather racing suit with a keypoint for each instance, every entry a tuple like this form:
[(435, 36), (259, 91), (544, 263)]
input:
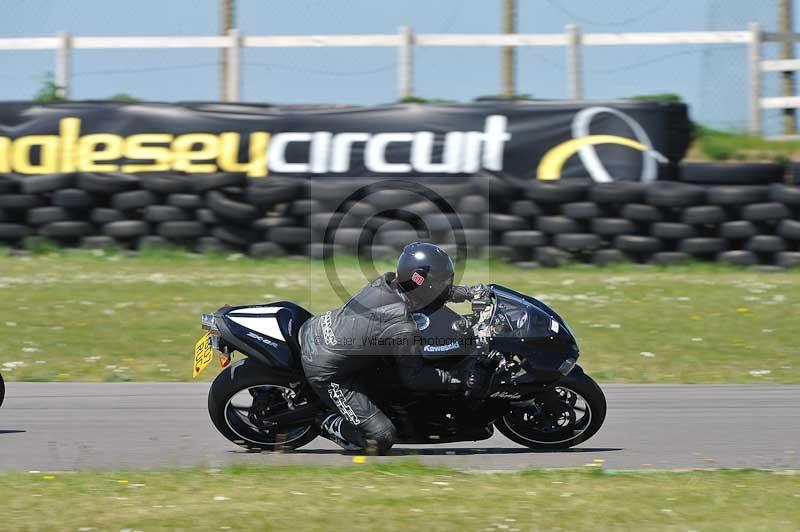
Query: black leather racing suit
[(340, 345)]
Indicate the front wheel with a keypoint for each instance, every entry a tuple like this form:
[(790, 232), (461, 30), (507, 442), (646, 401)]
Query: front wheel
[(244, 397), (571, 413)]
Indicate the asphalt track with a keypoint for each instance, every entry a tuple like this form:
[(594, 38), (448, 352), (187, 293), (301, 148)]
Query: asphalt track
[(70, 426)]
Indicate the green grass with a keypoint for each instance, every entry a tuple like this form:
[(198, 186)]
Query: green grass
[(82, 317), (399, 497), (711, 144)]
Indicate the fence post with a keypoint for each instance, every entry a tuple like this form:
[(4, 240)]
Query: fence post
[(574, 64), (754, 49), (62, 73), (405, 63), (233, 51)]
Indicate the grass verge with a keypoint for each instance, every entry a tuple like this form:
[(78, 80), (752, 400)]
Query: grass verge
[(402, 496), (105, 317)]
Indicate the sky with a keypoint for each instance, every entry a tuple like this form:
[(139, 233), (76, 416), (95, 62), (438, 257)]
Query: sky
[(712, 79)]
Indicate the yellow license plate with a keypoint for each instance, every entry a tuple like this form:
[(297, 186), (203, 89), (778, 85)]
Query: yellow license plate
[(203, 354)]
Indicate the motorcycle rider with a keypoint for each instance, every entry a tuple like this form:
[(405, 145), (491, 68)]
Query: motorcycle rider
[(340, 347)]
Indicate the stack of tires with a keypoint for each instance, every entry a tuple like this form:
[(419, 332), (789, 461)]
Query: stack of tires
[(754, 221)]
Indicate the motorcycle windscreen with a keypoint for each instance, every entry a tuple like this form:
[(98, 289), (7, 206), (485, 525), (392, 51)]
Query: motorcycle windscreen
[(527, 330)]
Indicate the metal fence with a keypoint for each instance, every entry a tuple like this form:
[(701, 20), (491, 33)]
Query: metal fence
[(405, 40)]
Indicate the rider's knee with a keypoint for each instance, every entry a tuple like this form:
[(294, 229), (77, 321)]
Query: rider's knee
[(380, 435)]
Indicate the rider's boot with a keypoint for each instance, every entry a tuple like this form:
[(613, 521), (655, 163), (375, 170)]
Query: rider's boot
[(334, 428)]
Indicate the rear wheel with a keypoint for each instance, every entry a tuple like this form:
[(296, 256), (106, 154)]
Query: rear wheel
[(244, 397), (571, 414)]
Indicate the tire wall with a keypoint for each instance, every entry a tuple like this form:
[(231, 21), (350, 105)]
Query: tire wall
[(547, 222)]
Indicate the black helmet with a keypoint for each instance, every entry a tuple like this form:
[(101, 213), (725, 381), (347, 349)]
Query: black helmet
[(425, 274)]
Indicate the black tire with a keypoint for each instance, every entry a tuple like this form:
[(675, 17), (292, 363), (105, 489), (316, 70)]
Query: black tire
[(558, 192), (274, 190), (789, 229), (162, 184), (637, 245), (452, 221), (613, 226), (126, 229), (786, 194), (236, 236), (766, 244), (524, 239), (185, 201), (13, 232), (737, 230), (578, 382), (19, 201), (726, 196), (66, 230), (38, 184), (702, 246), (268, 222), (181, 230), (207, 216), (398, 238), (237, 377), (153, 242), (231, 209), (470, 237), (290, 236), (107, 184), (788, 259), (305, 207), (672, 231), (165, 213), (581, 210), (205, 182), (618, 192), (605, 257), (672, 194), (349, 237), (322, 221), (732, 173), (704, 215), (72, 198), (504, 222), (392, 198), (2, 390), (135, 199), (9, 185), (525, 209), (556, 225), (495, 187), (738, 257), (47, 215), (669, 258), (473, 204), (379, 253), (578, 242), (102, 216), (639, 212), (763, 212)]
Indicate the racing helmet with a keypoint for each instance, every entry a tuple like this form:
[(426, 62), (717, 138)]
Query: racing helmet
[(425, 274)]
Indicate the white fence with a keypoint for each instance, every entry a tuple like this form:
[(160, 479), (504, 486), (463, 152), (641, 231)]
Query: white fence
[(405, 40)]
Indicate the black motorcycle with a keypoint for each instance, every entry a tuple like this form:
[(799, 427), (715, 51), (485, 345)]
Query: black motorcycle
[(540, 397)]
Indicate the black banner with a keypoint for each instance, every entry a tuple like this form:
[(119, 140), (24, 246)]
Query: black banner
[(528, 140)]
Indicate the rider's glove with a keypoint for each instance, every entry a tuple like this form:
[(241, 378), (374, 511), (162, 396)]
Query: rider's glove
[(459, 294)]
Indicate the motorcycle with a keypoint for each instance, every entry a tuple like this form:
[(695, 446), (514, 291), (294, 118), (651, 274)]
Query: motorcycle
[(540, 397)]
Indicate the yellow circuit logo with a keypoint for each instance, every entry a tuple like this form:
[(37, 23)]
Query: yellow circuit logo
[(193, 153)]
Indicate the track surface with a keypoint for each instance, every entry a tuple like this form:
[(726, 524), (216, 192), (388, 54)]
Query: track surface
[(68, 426)]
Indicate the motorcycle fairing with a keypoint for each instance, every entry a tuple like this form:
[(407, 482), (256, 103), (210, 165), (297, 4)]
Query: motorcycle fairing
[(267, 332)]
